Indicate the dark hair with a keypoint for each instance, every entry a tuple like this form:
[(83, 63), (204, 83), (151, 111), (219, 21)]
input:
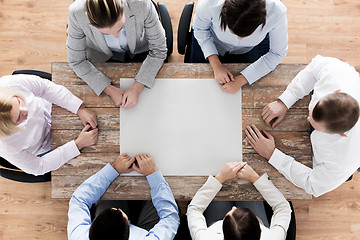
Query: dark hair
[(240, 225), (110, 224), (243, 16), (339, 112), (103, 13)]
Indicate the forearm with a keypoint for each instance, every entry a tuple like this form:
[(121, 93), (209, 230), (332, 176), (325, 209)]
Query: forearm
[(165, 205), (197, 206), (297, 173), (281, 208)]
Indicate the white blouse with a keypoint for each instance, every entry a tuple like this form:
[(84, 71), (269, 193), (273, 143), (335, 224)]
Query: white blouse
[(21, 149)]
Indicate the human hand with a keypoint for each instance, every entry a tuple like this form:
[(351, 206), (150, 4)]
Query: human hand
[(234, 86), (130, 97), (123, 163), (87, 137), (274, 111), (116, 94), (229, 171), (144, 164), (87, 117), (248, 173), (222, 74), (264, 146)]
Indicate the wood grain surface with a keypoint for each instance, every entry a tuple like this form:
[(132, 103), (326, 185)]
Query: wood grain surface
[(33, 34), (292, 135)]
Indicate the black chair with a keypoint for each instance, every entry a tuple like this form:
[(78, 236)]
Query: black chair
[(184, 32), (11, 172), (166, 23), (291, 233)]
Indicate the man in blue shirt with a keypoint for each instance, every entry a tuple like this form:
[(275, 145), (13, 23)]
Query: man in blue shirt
[(113, 223), (239, 31)]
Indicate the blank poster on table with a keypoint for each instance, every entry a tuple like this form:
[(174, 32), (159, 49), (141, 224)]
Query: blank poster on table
[(189, 126)]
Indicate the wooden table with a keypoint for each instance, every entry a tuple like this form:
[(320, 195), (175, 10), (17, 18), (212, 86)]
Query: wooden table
[(291, 135)]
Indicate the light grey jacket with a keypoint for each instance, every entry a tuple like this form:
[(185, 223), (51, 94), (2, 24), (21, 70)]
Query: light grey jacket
[(86, 43)]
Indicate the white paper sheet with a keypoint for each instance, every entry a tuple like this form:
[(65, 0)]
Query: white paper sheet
[(189, 126)]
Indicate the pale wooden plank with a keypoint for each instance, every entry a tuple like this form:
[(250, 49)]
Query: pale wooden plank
[(127, 188), (108, 140), (91, 163), (289, 142), (108, 118), (295, 120)]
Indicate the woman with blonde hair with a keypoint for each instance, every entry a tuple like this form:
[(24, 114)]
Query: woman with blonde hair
[(115, 30), (25, 123)]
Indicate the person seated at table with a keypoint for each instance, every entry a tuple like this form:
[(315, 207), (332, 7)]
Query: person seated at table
[(119, 220), (239, 31), (25, 123), (333, 113), (237, 220), (115, 30)]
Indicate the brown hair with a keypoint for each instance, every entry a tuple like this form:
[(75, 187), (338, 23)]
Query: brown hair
[(339, 111), (103, 13), (110, 224), (7, 127), (243, 16), (240, 225)]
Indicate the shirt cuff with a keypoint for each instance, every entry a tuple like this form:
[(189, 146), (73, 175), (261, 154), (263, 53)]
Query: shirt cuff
[(276, 158), (214, 182), (261, 180), (155, 179), (72, 150), (288, 99), (250, 74), (209, 49), (76, 104), (110, 172)]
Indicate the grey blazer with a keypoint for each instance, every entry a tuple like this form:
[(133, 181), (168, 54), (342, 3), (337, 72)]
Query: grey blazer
[(86, 43)]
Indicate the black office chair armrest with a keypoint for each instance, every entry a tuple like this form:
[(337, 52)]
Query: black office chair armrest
[(166, 22), (184, 26), (24, 177), (41, 74), (291, 232), (6, 164)]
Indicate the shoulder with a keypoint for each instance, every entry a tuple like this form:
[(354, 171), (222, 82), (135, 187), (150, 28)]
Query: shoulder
[(77, 6), (275, 7), (209, 6), (78, 10), (138, 5)]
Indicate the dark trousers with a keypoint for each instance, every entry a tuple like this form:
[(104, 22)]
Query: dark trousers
[(140, 213), (197, 56), (217, 210)]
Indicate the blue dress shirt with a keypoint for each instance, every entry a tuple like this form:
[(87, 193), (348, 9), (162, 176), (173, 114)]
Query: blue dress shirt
[(94, 187), (213, 40)]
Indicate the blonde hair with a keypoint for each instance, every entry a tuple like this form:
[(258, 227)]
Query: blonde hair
[(7, 127), (103, 13)]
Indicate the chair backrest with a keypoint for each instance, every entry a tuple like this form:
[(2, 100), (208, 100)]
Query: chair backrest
[(291, 232), (10, 171), (166, 22), (184, 34)]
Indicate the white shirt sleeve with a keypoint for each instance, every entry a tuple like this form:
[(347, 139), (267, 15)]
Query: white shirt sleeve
[(304, 81), (278, 38), (49, 91), (203, 197), (202, 23), (32, 164), (282, 212), (316, 181)]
